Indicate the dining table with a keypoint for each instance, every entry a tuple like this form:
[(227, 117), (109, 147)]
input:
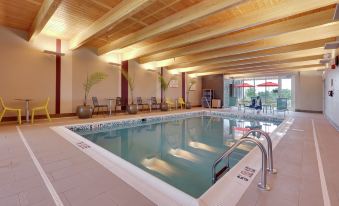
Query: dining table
[(26, 107)]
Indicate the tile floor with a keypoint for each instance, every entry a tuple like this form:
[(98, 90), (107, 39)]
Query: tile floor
[(79, 180)]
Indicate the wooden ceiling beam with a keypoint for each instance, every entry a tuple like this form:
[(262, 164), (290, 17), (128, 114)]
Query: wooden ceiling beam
[(274, 73), (116, 15), (181, 18), (278, 59), (307, 48), (46, 11), (260, 32), (267, 66), (320, 32), (272, 68)]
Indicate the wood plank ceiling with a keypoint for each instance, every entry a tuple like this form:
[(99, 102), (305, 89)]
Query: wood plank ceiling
[(201, 37)]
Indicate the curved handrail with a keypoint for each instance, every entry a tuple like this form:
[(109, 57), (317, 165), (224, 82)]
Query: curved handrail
[(263, 181), (269, 148)]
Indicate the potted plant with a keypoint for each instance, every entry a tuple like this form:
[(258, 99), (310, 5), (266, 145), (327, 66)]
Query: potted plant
[(131, 108), (85, 111), (191, 83), (164, 86)]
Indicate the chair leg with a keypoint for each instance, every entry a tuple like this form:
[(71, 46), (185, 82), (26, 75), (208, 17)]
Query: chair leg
[(2, 114), (47, 114), (33, 113), (19, 116)]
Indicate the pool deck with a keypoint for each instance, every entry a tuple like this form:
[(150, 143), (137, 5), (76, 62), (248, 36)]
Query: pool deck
[(79, 180)]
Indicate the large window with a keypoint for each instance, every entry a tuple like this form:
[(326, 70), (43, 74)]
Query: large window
[(268, 88)]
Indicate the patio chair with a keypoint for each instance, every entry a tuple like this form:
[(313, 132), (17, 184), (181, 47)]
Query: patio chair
[(5, 109), (252, 105), (170, 103), (41, 108), (281, 105), (140, 103), (181, 102), (154, 103), (118, 103), (97, 105)]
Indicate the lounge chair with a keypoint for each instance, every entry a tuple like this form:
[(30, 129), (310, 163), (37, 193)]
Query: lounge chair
[(97, 105), (170, 103), (154, 103), (181, 102), (41, 108), (281, 105), (5, 109), (141, 104)]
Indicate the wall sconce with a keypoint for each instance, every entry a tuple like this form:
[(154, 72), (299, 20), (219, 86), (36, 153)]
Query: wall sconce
[(54, 53), (114, 64)]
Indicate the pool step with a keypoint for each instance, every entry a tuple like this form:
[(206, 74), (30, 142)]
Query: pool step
[(221, 172)]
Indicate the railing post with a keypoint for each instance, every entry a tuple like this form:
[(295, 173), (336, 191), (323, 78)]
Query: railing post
[(270, 168), (263, 180)]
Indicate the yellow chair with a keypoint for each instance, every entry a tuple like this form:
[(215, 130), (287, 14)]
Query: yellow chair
[(181, 102), (170, 103), (9, 109), (43, 108)]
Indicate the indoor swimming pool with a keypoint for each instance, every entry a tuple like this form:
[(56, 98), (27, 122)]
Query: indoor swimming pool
[(179, 151)]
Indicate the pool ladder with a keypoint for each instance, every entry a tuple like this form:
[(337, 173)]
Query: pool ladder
[(264, 157), (208, 104)]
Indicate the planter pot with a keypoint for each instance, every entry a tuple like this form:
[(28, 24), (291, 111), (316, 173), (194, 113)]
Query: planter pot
[(132, 109), (84, 112), (188, 105), (164, 107)]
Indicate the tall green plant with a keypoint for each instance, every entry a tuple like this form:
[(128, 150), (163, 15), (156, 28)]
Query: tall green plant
[(191, 83), (92, 80), (131, 83), (164, 84)]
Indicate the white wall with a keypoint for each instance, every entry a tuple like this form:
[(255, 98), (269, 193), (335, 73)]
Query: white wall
[(146, 82), (27, 72), (84, 62), (309, 91), (331, 104)]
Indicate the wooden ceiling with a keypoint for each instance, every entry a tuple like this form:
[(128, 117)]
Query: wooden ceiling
[(12, 15), (195, 36)]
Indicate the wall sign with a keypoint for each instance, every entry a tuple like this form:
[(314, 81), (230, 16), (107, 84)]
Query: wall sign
[(246, 174)]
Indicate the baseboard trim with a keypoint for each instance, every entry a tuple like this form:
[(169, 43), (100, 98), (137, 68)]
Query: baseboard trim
[(308, 111)]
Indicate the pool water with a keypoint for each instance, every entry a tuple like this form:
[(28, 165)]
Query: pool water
[(179, 152)]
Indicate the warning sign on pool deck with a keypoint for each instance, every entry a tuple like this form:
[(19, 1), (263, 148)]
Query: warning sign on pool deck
[(83, 145), (246, 174)]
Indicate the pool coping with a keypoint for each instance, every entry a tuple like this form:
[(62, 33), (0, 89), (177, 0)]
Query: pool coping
[(161, 192)]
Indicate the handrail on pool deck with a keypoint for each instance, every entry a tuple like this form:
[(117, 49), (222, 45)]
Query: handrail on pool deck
[(269, 148), (263, 181)]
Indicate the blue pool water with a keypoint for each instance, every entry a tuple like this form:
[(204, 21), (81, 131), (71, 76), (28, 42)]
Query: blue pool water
[(179, 152)]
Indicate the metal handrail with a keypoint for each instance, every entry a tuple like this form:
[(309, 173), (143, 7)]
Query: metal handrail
[(269, 148), (202, 100), (263, 181)]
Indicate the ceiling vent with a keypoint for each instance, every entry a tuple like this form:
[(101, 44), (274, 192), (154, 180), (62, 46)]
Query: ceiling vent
[(336, 13)]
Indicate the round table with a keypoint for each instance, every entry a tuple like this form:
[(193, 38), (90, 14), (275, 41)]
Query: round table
[(26, 107)]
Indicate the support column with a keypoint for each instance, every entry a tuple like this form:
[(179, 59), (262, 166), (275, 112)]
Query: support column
[(124, 83), (58, 77), (183, 85), (161, 91)]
